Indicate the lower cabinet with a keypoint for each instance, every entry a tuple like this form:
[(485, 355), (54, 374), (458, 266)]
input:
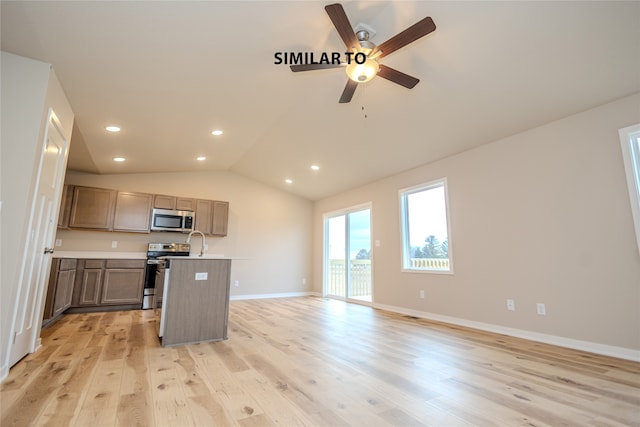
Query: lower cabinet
[(89, 282), (110, 282), (123, 282), (60, 288)]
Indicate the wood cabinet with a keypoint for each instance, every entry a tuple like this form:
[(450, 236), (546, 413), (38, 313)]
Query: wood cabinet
[(212, 217), (60, 288), (65, 206), (132, 212), (220, 218), (110, 282), (110, 210), (161, 201), (123, 282), (204, 211), (92, 208), (89, 283)]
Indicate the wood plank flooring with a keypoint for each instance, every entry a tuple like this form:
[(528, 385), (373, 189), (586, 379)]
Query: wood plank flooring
[(311, 362)]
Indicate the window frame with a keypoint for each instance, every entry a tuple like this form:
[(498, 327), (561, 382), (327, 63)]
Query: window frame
[(631, 159), (404, 226)]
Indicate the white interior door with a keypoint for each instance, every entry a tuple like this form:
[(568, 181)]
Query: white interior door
[(36, 259)]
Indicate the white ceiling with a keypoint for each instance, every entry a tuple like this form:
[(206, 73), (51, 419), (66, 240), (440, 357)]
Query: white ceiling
[(170, 72)]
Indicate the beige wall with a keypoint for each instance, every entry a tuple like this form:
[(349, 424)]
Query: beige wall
[(542, 216), (270, 227), (29, 88)]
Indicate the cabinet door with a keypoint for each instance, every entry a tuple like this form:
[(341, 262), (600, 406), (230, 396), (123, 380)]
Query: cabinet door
[(90, 286), (64, 291), (51, 289), (184, 204), (65, 206), (122, 286), (133, 212), (92, 208), (220, 218), (204, 210), (164, 202)]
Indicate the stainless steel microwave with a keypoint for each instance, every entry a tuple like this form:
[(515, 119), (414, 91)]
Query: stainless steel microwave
[(172, 220)]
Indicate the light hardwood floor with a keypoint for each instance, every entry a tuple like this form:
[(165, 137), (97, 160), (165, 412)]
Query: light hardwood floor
[(314, 362)]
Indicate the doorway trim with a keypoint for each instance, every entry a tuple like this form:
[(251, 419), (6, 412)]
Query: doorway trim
[(325, 250)]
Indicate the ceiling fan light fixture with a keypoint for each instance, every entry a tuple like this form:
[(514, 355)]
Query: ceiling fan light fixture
[(362, 73)]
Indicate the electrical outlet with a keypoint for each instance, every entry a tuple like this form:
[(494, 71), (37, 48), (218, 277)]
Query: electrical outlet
[(236, 283), (114, 244), (206, 247), (58, 243), (511, 305), (422, 294), (542, 310)]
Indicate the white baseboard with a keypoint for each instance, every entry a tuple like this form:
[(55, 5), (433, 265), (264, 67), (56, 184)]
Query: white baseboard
[(592, 347)]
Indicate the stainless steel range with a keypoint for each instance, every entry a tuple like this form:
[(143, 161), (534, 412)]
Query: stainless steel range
[(154, 252)]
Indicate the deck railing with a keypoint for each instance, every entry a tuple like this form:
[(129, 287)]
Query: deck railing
[(360, 278), (360, 275), (430, 263)]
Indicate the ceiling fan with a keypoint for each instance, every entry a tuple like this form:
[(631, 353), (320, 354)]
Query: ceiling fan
[(359, 46)]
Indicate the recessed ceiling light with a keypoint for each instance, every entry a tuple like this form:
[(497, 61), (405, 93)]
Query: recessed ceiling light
[(315, 167), (288, 181), (201, 158), (112, 128), (118, 159), (217, 132)]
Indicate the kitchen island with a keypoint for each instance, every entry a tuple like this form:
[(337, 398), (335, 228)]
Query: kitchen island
[(195, 299)]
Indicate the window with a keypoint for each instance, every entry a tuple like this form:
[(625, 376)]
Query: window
[(426, 244), (630, 140)]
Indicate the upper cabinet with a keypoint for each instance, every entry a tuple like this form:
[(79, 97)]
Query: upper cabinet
[(220, 218), (204, 212), (65, 206), (92, 208), (161, 201), (212, 217), (110, 210), (132, 212)]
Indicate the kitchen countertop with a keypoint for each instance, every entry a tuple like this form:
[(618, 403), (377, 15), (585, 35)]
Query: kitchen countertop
[(99, 255)]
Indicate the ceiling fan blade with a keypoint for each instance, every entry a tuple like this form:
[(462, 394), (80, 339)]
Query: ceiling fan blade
[(397, 77), (311, 67), (343, 26), (411, 34), (348, 91)]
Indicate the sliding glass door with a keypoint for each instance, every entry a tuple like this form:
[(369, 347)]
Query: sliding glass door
[(347, 258)]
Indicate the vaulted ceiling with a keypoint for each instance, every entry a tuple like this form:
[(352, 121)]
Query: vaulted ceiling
[(168, 73)]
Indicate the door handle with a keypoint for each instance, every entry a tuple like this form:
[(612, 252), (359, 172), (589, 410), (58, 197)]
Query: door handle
[(48, 250)]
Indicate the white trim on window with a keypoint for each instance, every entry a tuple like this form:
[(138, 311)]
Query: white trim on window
[(630, 144), (404, 230)]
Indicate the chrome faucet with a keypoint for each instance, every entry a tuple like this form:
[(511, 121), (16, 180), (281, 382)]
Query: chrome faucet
[(203, 241)]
